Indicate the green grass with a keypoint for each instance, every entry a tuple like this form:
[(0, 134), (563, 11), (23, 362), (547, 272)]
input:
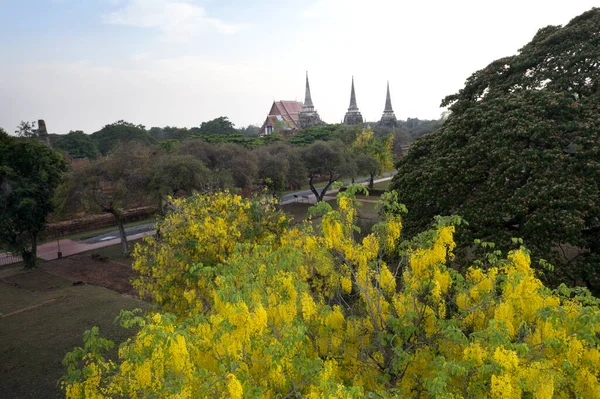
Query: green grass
[(20, 264), (382, 185), (34, 341)]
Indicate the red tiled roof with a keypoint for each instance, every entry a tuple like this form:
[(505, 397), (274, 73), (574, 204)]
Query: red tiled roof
[(287, 110)]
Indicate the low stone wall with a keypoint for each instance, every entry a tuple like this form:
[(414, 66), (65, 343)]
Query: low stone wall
[(94, 222)]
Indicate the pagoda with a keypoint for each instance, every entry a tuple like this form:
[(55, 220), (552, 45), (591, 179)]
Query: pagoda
[(353, 116), (388, 118), (308, 116)]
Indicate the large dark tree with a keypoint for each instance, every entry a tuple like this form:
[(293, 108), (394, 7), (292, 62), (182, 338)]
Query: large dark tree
[(172, 173), (325, 160), (220, 125), (280, 167), (519, 155), (77, 144), (111, 135), (112, 185), (29, 174)]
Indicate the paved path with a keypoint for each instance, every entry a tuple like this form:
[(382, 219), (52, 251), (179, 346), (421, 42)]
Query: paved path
[(49, 250), (308, 197)]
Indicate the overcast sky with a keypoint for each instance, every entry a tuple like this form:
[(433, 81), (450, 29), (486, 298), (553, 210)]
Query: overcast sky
[(80, 64)]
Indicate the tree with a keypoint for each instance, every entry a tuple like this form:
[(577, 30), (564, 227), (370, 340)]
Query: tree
[(247, 306), (120, 132), (326, 160), (250, 130), (169, 133), (220, 125), (26, 129), (112, 185), (373, 154), (280, 167), (518, 155), (29, 174), (172, 173), (76, 144), (319, 133)]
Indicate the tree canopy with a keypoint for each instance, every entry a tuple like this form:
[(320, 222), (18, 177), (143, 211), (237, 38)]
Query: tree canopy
[(76, 144), (109, 136), (519, 155), (29, 174), (248, 306), (220, 125), (114, 184)]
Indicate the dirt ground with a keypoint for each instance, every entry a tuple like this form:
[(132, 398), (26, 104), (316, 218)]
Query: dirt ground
[(100, 272)]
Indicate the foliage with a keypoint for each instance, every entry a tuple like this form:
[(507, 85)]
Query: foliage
[(172, 173), (169, 133), (327, 160), (261, 309), (26, 129), (319, 133), (111, 135), (111, 185), (218, 126), (417, 128), (240, 162), (250, 130), (29, 174), (76, 144), (373, 154), (280, 167), (518, 156)]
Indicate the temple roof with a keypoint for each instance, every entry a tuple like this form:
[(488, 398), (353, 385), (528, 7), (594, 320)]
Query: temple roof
[(282, 110), (308, 104), (353, 106), (388, 101)]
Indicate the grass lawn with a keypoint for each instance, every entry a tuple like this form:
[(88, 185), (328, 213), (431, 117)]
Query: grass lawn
[(44, 317), (20, 265), (382, 185)]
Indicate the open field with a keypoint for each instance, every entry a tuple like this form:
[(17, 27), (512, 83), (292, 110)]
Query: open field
[(43, 317)]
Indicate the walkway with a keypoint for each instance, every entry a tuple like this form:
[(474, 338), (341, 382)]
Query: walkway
[(49, 250)]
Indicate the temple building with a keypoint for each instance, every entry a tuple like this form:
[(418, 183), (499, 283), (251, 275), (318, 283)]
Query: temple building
[(388, 118), (353, 116), (282, 118), (308, 116), (287, 117)]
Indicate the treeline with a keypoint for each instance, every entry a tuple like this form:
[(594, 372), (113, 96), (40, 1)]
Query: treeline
[(77, 144)]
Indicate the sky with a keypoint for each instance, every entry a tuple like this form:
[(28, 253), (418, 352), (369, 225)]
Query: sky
[(82, 64)]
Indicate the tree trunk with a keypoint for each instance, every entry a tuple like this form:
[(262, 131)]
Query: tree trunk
[(30, 257), (124, 246), (313, 189), (371, 182), (319, 196)]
